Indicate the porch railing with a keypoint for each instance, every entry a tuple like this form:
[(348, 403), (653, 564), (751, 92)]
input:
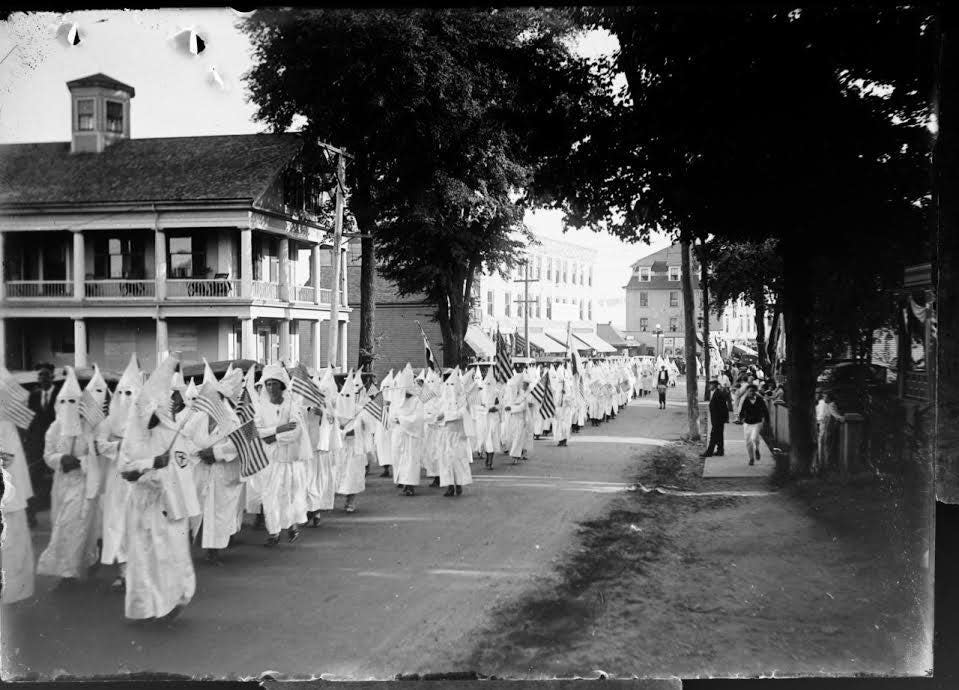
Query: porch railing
[(265, 291), (304, 293), (39, 289), (326, 296), (120, 289), (202, 288)]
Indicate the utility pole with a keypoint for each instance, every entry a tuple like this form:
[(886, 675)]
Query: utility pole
[(337, 258), (526, 280)]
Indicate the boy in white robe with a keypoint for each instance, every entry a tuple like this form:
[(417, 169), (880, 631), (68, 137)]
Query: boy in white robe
[(116, 491), (321, 493), (488, 419), (283, 487), (69, 450), (349, 471), (519, 410), (16, 546), (564, 408), (406, 433)]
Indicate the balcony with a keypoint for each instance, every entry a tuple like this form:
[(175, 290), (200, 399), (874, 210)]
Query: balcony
[(39, 289), (303, 293), (188, 288), (119, 289), (263, 290)]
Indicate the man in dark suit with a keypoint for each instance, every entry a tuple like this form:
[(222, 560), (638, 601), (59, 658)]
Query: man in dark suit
[(662, 380), (718, 416), (43, 403)]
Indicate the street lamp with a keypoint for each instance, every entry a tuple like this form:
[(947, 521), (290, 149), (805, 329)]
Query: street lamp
[(658, 332)]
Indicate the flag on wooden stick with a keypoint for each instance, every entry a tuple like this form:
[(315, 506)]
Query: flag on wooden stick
[(503, 368), (13, 405), (90, 410), (303, 385), (208, 401), (375, 408), (543, 394), (250, 449), (431, 362)]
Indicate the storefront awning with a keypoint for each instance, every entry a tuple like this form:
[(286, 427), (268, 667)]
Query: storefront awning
[(595, 342), (480, 343), (546, 344), (560, 337)]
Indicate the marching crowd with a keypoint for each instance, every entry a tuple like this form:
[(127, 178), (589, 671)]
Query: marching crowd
[(140, 471)]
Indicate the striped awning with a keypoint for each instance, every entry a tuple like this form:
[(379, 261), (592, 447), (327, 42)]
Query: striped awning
[(480, 343), (560, 337), (546, 344), (595, 342)]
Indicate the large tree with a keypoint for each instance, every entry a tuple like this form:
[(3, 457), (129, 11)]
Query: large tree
[(438, 106), (808, 126)]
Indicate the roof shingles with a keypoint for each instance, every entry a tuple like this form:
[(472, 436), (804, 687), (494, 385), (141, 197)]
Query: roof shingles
[(171, 169)]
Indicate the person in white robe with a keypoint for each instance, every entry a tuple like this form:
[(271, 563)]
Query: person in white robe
[(519, 410), (319, 469), (349, 469), (16, 545), (565, 397), (406, 432), (454, 450), (116, 490), (216, 470), (488, 419), (69, 450), (283, 486), (160, 579), (383, 438), (430, 447)]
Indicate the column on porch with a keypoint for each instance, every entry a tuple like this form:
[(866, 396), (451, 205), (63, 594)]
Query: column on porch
[(283, 289), (284, 332), (247, 342), (246, 265), (79, 342), (3, 341), (317, 264), (317, 342), (159, 262), (3, 284), (162, 340), (342, 345), (79, 266)]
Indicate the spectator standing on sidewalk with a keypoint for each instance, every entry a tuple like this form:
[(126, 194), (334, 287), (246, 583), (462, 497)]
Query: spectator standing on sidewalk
[(718, 416), (753, 414), (662, 380), (43, 403)]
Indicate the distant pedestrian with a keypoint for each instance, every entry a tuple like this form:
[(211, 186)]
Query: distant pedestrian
[(827, 420), (753, 414), (662, 380), (718, 416), (43, 403)]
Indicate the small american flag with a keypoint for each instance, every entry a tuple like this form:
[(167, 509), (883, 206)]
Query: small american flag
[(13, 407), (244, 409), (250, 448), (90, 409), (375, 408), (304, 386), (208, 401), (430, 359), (503, 369), (543, 394), (427, 394)]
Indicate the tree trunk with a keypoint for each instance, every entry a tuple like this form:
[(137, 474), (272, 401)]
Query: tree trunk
[(759, 299), (365, 215), (946, 259), (800, 363), (689, 313), (707, 350)]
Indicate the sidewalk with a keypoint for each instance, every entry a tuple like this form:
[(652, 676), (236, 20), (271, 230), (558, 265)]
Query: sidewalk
[(734, 462)]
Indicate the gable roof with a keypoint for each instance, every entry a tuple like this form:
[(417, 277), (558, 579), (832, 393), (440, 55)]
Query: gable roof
[(100, 79), (238, 167)]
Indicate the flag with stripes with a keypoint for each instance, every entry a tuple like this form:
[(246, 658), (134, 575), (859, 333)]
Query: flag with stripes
[(244, 409), (249, 448), (90, 410), (427, 394), (13, 407), (545, 398), (375, 407), (503, 368), (430, 359), (208, 401), (303, 385)]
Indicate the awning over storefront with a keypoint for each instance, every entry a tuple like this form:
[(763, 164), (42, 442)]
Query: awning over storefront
[(546, 344), (480, 343), (560, 337), (595, 342), (745, 350)]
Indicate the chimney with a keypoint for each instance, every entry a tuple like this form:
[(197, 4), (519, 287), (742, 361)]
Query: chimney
[(99, 112)]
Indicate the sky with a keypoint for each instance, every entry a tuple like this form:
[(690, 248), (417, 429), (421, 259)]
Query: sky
[(177, 95)]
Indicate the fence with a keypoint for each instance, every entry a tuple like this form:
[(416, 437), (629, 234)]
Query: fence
[(216, 287), (120, 289)]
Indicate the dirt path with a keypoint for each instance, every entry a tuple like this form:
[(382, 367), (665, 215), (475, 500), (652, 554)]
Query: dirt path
[(815, 579)]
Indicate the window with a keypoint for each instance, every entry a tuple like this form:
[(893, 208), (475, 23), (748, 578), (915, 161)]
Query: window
[(581, 310), (644, 325), (539, 267), (549, 268), (489, 302), (644, 299), (591, 276), (565, 268), (114, 117), (589, 317), (549, 308), (673, 324), (509, 298), (187, 259), (85, 114), (699, 322), (674, 273), (726, 324), (538, 306), (115, 257), (519, 308), (674, 299), (644, 275)]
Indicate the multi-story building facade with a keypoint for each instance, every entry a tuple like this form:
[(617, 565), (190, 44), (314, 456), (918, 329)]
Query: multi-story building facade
[(561, 294), (210, 246), (654, 302)]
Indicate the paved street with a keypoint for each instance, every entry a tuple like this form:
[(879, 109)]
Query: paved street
[(395, 588)]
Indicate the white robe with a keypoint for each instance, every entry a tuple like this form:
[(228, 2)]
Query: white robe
[(73, 538), (16, 546), (283, 484), (430, 447), (406, 441), (519, 432), (319, 474), (454, 455), (159, 573), (218, 486)]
